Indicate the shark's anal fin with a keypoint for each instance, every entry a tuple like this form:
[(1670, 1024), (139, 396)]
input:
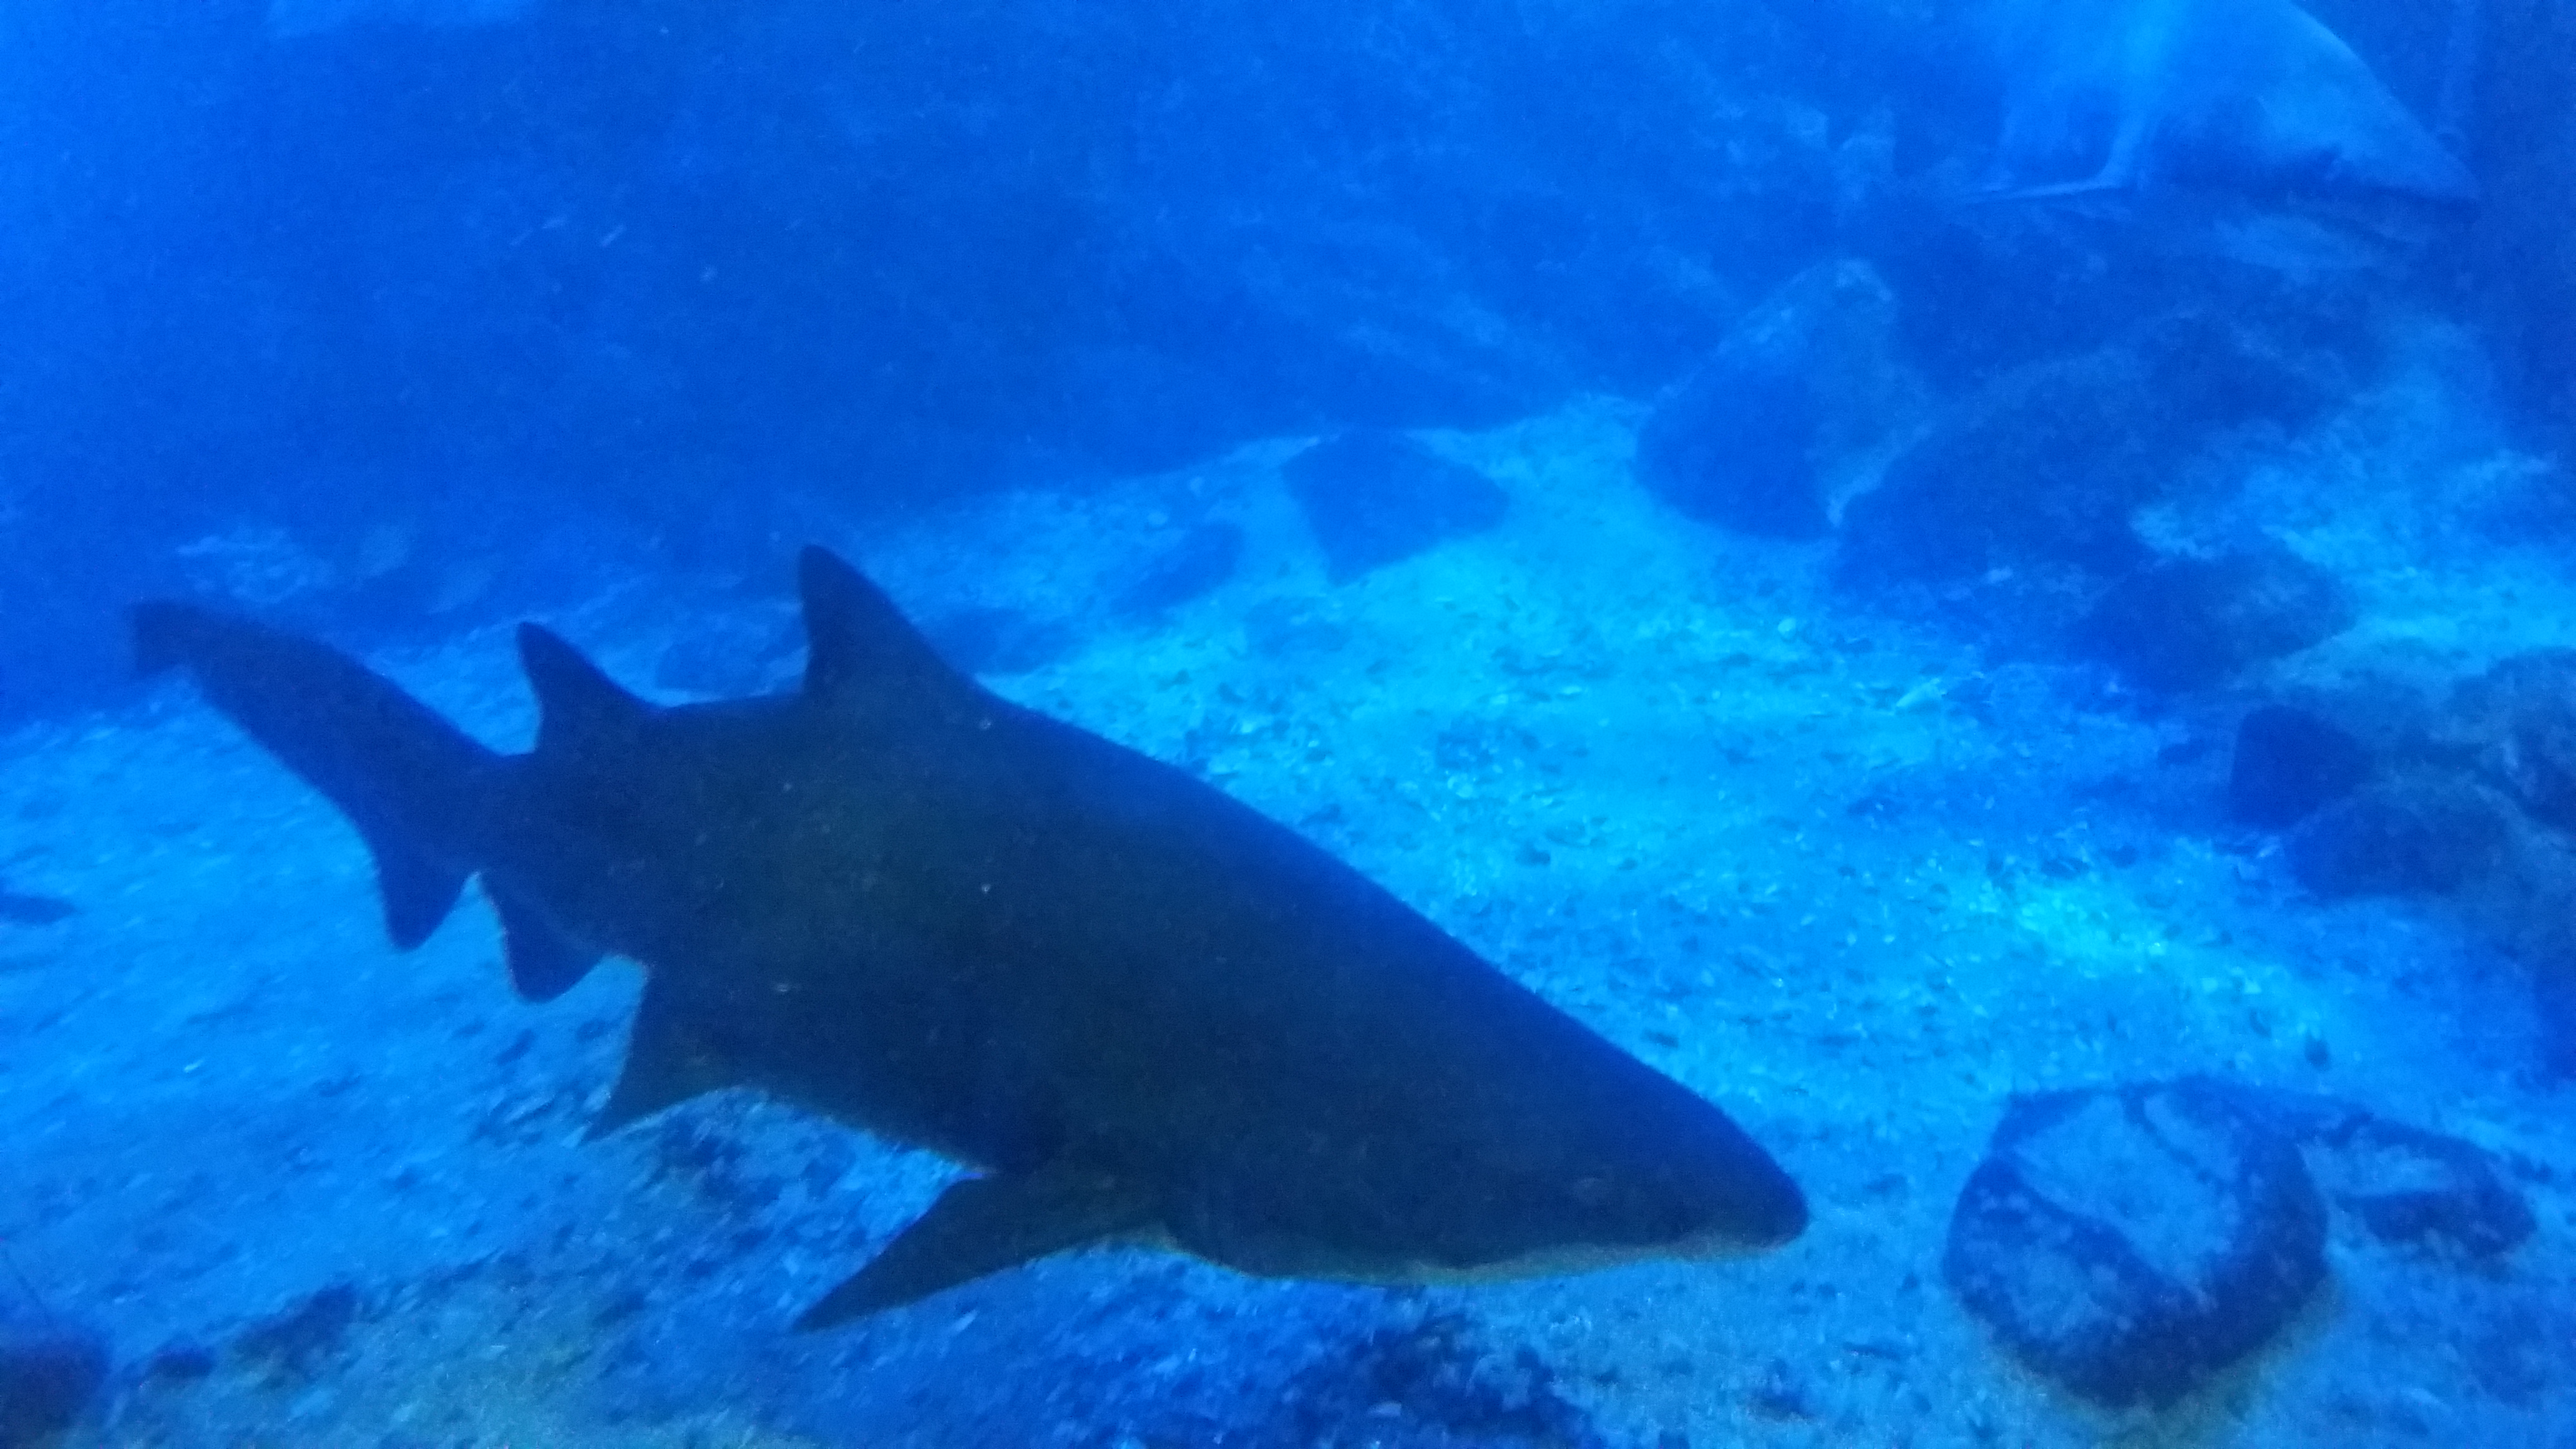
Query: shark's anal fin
[(983, 1225), (669, 1059), (544, 963), (418, 890)]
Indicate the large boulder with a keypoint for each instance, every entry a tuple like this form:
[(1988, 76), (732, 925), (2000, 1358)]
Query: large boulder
[(1373, 498), (2193, 623), (49, 1373), (2044, 466), (2130, 1243), (2517, 724), (1196, 564), (1748, 441), (2288, 763), (2419, 833)]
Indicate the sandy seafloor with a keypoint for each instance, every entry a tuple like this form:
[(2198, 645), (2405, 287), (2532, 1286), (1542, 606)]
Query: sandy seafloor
[(1844, 875)]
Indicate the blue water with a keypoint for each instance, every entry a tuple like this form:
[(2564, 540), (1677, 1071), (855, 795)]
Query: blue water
[(1758, 522)]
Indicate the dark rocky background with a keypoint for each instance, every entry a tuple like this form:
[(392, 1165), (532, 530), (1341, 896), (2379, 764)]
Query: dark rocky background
[(393, 322)]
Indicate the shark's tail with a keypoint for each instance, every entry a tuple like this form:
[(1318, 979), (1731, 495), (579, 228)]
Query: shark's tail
[(415, 786)]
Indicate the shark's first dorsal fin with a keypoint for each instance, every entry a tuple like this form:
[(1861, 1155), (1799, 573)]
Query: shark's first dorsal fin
[(576, 700), (860, 649), (668, 1061)]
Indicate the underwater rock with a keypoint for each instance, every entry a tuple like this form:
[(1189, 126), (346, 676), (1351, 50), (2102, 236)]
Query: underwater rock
[(2045, 466), (183, 1361), (2130, 1243), (49, 1373), (1374, 498), (1196, 566), (27, 910), (2212, 373), (2518, 722), (292, 1343), (2400, 1185), (2416, 833), (2288, 763), (1742, 441), (2192, 623), (2414, 1188)]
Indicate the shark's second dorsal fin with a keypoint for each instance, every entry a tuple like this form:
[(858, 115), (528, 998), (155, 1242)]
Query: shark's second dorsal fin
[(668, 1061), (860, 649), (577, 703)]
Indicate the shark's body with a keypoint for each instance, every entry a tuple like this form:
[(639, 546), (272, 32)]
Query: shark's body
[(2244, 95), (1141, 1010)]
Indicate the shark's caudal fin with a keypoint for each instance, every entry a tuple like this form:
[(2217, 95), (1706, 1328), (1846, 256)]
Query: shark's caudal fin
[(415, 786)]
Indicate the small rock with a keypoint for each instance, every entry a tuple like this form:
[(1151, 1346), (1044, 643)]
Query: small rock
[(1198, 565), (2189, 623), (2518, 720), (31, 910), (1376, 498), (2130, 1243), (292, 1342), (49, 1373), (1779, 1395), (2288, 763), (2416, 1188), (181, 1362), (2415, 834)]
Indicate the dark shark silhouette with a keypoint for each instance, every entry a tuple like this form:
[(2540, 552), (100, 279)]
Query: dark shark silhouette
[(1140, 1010)]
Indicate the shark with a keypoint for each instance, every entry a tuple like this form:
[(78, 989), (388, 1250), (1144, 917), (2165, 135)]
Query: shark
[(2253, 95), (1132, 1008)]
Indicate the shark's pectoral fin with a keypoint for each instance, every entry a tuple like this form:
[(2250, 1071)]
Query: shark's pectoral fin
[(669, 1059), (983, 1225), (544, 963)]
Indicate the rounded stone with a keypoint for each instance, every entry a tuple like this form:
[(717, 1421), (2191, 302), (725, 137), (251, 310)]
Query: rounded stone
[(2130, 1243)]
